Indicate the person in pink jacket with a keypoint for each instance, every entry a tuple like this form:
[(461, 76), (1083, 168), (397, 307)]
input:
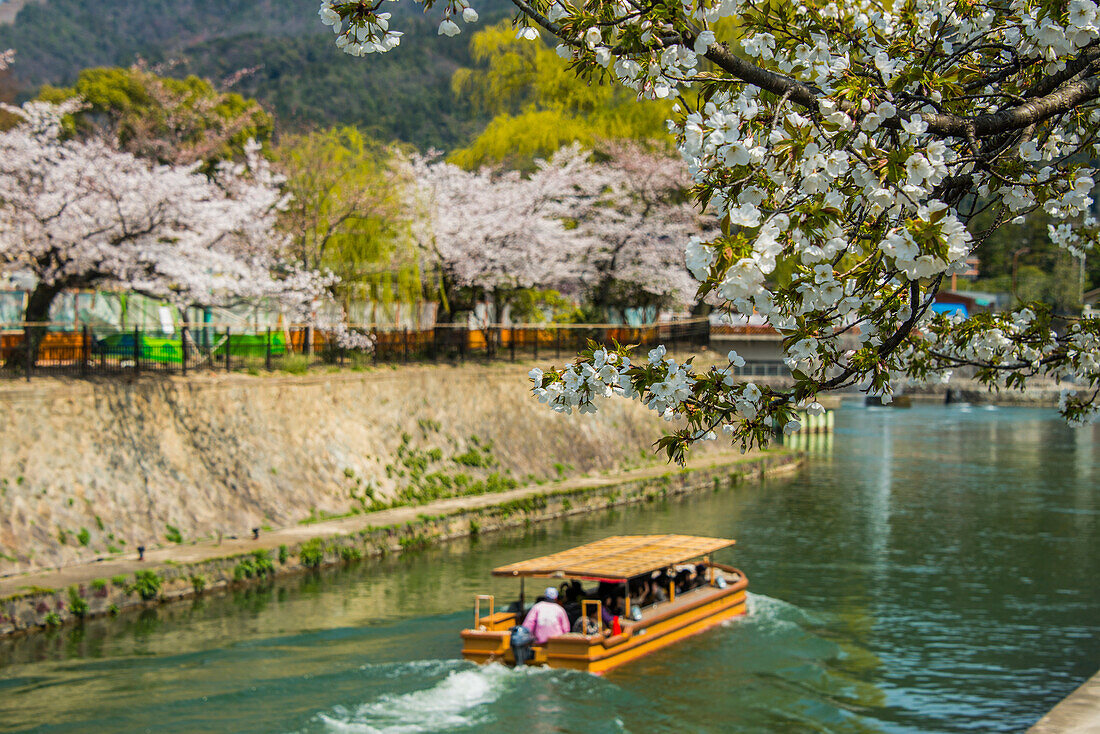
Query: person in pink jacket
[(547, 618)]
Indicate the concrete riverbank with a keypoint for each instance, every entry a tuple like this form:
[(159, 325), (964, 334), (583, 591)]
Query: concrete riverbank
[(1078, 713), (52, 598)]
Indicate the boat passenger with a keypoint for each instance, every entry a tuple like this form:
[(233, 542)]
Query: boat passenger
[(658, 588), (547, 618), (570, 602), (685, 581)]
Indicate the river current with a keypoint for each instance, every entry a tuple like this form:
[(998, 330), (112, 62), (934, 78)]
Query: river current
[(930, 570)]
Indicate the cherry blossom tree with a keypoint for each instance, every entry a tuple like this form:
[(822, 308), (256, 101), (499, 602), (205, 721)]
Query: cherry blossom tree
[(610, 228), (638, 218), (850, 147), (82, 214), (496, 232)]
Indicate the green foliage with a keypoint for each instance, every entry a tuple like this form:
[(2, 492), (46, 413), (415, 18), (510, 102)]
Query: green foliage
[(312, 553), (301, 78), (284, 554), (78, 605), (305, 81), (253, 566), (515, 141), (84, 537), (295, 364), (168, 120), (173, 534), (540, 104), (437, 485), (99, 584), (475, 457), (120, 581), (347, 213), (417, 461), (475, 527), (57, 39), (53, 619), (113, 610), (413, 542), (1044, 272), (427, 425), (535, 306), (198, 583), (350, 553), (521, 505), (146, 585), (287, 58)]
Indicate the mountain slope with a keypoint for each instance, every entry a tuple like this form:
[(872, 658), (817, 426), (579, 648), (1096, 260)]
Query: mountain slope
[(299, 74)]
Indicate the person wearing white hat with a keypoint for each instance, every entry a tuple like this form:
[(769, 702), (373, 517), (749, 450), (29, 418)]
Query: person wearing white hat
[(547, 618)]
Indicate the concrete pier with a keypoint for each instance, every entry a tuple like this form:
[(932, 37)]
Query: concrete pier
[(1078, 713)]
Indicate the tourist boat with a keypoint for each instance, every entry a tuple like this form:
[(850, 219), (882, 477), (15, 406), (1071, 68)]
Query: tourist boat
[(720, 595)]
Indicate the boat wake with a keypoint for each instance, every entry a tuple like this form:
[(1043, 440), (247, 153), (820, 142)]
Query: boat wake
[(456, 701), (767, 610)]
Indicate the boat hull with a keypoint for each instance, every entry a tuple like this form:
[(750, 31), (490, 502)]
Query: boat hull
[(660, 627)]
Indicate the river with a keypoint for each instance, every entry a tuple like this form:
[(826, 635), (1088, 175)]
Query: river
[(930, 570)]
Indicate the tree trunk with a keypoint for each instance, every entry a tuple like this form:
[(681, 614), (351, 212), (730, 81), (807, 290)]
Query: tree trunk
[(36, 315), (445, 314), (701, 308)]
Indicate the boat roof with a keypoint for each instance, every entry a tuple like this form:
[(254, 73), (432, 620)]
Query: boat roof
[(618, 557)]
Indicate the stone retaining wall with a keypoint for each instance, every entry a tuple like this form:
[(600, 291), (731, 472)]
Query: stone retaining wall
[(91, 469)]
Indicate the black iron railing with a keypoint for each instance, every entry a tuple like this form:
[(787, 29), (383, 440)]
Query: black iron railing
[(27, 350)]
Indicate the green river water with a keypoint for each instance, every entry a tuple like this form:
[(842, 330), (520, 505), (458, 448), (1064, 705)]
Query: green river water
[(930, 570)]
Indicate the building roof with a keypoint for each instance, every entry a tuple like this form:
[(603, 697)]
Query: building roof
[(618, 557)]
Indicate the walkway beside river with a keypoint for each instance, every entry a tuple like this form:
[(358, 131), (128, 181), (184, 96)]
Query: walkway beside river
[(159, 558), (1078, 713)]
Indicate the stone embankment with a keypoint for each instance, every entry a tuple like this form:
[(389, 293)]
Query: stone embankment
[(92, 469), (52, 598), (1078, 713)]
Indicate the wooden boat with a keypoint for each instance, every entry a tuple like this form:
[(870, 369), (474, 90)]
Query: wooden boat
[(720, 596)]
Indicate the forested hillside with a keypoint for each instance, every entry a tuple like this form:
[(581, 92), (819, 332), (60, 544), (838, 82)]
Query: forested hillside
[(302, 78)]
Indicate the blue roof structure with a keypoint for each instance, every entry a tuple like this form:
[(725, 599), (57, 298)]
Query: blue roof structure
[(951, 309)]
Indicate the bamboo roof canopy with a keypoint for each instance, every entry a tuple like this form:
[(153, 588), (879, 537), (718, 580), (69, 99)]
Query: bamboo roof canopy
[(619, 557)]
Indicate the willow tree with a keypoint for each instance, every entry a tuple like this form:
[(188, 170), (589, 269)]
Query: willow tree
[(850, 147), (539, 105), (346, 212)]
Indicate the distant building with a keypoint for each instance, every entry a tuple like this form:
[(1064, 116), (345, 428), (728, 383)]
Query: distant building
[(967, 303), (754, 339)]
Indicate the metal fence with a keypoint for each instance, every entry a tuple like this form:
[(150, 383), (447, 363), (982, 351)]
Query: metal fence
[(38, 349)]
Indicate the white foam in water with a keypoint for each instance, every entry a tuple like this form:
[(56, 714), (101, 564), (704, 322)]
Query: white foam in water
[(451, 703), (763, 608)]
